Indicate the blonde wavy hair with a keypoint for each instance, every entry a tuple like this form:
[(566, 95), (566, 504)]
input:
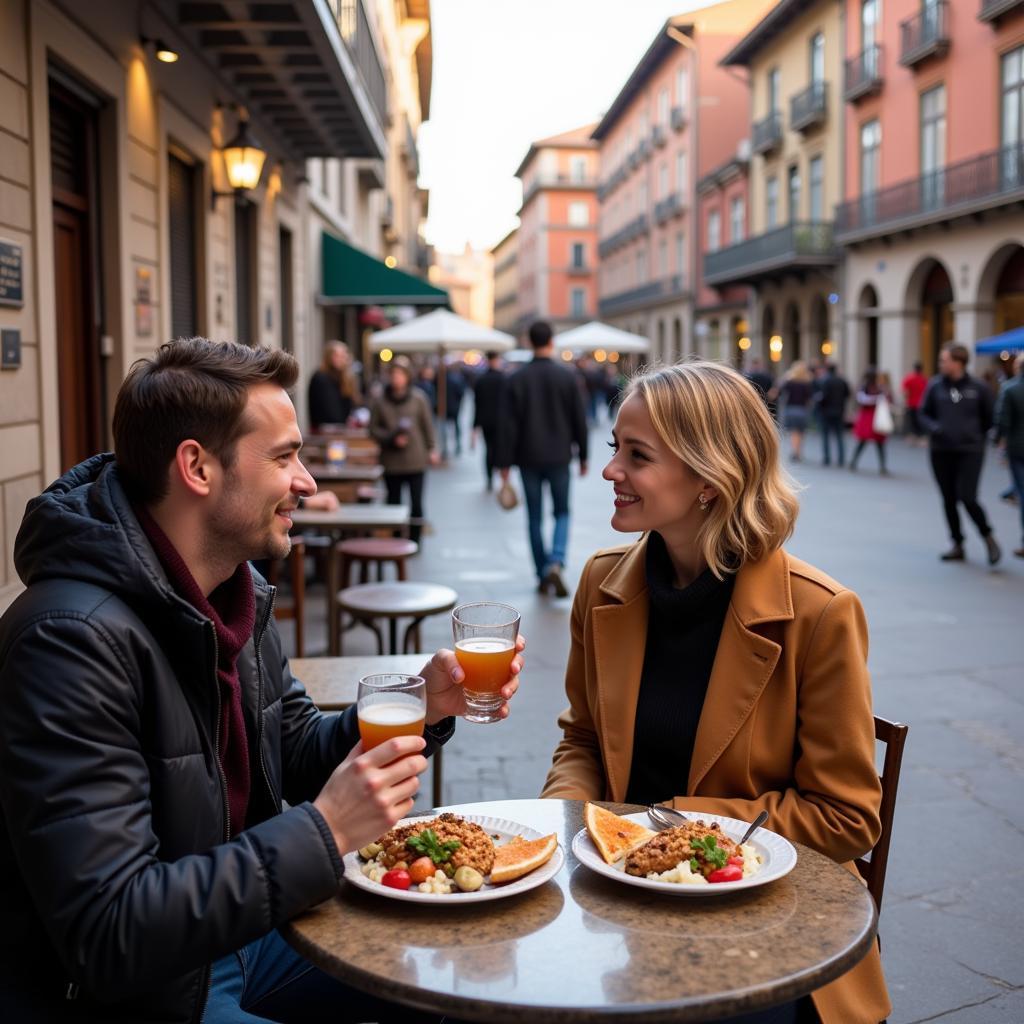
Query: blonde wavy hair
[(716, 422)]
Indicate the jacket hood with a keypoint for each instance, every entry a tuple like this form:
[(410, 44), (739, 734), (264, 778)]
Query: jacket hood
[(82, 527)]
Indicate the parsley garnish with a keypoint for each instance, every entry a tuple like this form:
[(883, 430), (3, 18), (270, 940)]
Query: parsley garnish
[(427, 844), (713, 853)]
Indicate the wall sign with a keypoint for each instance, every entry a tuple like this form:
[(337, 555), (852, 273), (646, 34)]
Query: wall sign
[(11, 274), (143, 302)]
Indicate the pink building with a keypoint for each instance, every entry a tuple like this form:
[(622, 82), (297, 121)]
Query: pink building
[(934, 177), (657, 141)]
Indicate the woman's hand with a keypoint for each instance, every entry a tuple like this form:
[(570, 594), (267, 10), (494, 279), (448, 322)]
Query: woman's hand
[(444, 677)]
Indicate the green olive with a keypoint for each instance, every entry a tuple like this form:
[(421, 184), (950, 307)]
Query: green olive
[(468, 879), (370, 851), (448, 868)]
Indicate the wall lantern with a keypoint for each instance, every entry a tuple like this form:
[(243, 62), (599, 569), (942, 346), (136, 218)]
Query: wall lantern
[(243, 161), (163, 52)]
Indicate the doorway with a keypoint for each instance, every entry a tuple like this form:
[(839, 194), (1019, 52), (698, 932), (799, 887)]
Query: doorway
[(936, 316)]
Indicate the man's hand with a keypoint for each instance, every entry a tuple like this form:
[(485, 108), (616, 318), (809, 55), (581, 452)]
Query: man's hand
[(370, 791), (444, 677)]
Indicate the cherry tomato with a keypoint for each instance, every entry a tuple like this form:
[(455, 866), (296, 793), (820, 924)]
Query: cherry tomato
[(397, 878), (421, 869), (730, 873), (737, 860)]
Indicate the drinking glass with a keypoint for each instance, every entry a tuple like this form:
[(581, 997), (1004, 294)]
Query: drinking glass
[(485, 643), (390, 704)]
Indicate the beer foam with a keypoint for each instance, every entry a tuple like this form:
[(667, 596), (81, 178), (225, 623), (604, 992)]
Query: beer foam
[(484, 645), (391, 713)]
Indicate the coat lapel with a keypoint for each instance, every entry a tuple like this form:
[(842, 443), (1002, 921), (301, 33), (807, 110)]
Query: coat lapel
[(745, 660)]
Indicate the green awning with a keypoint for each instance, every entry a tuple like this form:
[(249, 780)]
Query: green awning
[(354, 278)]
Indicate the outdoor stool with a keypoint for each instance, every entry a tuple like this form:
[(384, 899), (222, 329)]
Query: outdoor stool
[(296, 610), (367, 602), (365, 552)]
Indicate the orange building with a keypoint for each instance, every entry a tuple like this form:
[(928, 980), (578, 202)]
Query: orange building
[(557, 238)]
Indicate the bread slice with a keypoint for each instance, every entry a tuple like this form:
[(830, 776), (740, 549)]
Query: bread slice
[(613, 836), (521, 856)]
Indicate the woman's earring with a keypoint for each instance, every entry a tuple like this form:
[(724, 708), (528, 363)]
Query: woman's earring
[(702, 500)]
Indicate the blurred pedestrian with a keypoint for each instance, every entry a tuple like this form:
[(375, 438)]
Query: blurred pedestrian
[(543, 426), (869, 394), (796, 393), (614, 385), (956, 411), (1011, 435), (454, 392), (760, 377), (913, 387), (402, 424), (426, 382), (833, 393), (333, 389), (488, 399)]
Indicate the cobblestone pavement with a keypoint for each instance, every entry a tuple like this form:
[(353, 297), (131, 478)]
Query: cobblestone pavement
[(946, 657)]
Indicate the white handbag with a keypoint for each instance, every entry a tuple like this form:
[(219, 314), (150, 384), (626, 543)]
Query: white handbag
[(882, 423)]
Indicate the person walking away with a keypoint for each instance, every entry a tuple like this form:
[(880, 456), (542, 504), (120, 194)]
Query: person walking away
[(488, 399), (833, 394), (402, 424), (1009, 493), (796, 392), (913, 387), (956, 412), (544, 425), (455, 391), (333, 390), (1011, 435), (764, 382), (868, 394)]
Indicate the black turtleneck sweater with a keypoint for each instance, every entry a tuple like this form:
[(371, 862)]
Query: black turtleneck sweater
[(683, 630)]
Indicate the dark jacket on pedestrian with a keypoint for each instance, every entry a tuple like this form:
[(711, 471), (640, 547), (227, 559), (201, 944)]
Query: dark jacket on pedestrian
[(833, 394), (545, 423), (327, 404), (488, 396), (1011, 417), (119, 879), (956, 414), (454, 392), (409, 416)]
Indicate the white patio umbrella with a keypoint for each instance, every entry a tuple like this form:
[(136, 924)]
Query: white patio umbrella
[(441, 331), (595, 335)]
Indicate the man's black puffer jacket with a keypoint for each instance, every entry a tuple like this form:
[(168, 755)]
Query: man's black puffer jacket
[(117, 877)]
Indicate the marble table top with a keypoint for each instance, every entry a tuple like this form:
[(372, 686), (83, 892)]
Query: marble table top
[(333, 683), (582, 946), (353, 517)]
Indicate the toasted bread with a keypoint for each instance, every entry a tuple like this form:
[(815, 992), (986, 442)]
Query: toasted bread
[(521, 856), (613, 836)]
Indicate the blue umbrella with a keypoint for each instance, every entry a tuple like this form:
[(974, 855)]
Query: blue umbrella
[(1009, 341)]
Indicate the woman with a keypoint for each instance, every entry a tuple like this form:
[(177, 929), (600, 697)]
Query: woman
[(797, 392), (872, 387), (401, 422), (333, 392), (709, 669)]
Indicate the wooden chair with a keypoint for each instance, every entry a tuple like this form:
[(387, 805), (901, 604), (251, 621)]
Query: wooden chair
[(872, 866), (296, 609), (367, 552)]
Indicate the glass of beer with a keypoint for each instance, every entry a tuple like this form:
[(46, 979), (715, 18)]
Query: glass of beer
[(485, 643), (390, 704)]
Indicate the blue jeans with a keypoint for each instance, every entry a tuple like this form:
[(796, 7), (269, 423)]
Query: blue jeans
[(268, 981), (557, 479), (832, 425), (1017, 472)]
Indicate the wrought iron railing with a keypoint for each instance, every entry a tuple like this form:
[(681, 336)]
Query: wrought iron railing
[(957, 187), (993, 9), (354, 27), (678, 117), (809, 106), (925, 33), (864, 73), (659, 289), (634, 229), (798, 241), (658, 135), (766, 134), (668, 207)]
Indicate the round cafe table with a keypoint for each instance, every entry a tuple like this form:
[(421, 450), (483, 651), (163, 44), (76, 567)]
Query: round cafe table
[(582, 946)]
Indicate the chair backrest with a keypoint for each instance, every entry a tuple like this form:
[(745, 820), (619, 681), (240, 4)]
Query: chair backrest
[(297, 575), (872, 867)]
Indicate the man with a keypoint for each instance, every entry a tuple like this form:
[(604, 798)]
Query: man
[(914, 384), (833, 393), (1011, 435), (544, 424), (151, 729), (956, 412), (764, 382), (488, 396)]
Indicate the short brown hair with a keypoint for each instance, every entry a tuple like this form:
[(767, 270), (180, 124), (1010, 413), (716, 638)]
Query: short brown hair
[(191, 388), (958, 352)]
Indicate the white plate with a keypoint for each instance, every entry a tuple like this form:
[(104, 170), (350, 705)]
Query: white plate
[(778, 858), (501, 827)]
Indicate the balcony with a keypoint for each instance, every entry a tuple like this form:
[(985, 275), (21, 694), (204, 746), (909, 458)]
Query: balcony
[(678, 118), (578, 269), (993, 10), (800, 245), (863, 74), (967, 188), (669, 207), (643, 150), (412, 154), (559, 181), (808, 109), (634, 229), (659, 136), (926, 34), (648, 294), (766, 134)]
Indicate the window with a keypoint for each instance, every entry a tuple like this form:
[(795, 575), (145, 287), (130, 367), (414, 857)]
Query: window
[(714, 231), (868, 24), (579, 302), (663, 179), (817, 58), (642, 196), (641, 266), (683, 88), (681, 172), (1012, 118), (817, 188), (771, 202), (737, 218), (680, 253), (773, 91), (933, 145), (579, 214), (663, 108), (182, 195), (870, 169), (578, 168), (663, 258), (578, 255), (793, 183)]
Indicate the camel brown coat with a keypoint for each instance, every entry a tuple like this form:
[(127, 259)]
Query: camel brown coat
[(786, 726)]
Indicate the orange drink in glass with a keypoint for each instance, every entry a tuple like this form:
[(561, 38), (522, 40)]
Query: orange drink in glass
[(485, 643), (390, 704)]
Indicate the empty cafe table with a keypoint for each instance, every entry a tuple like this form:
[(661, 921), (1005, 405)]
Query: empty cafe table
[(367, 602), (345, 478)]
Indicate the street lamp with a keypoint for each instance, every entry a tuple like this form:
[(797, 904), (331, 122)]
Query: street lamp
[(243, 161)]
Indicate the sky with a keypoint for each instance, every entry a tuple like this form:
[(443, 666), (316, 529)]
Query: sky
[(508, 72)]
